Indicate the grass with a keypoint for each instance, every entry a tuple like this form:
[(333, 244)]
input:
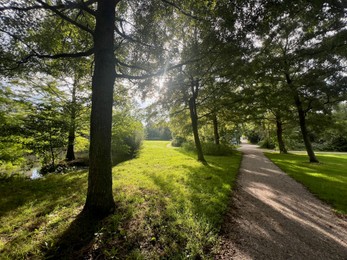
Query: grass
[(168, 206), (327, 179)]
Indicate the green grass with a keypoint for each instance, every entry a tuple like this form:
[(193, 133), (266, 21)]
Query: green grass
[(327, 179), (168, 206)]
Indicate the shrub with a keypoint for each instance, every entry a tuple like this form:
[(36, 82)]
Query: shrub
[(267, 143), (189, 146), (127, 137), (178, 141), (218, 150), (210, 148)]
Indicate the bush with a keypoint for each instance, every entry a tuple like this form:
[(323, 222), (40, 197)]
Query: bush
[(218, 150), (189, 146), (339, 144), (178, 141), (209, 148), (127, 137), (267, 143)]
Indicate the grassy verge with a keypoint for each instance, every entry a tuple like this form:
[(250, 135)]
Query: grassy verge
[(327, 180), (168, 206)]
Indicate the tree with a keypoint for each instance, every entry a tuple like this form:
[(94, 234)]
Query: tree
[(126, 44), (47, 127), (302, 42)]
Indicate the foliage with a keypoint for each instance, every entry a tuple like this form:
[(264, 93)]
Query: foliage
[(210, 148), (127, 137), (163, 197), (327, 180), (158, 133), (13, 144), (267, 143), (178, 141), (48, 129)]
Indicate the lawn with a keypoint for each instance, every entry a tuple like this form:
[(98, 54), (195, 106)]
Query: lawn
[(168, 206), (327, 179)]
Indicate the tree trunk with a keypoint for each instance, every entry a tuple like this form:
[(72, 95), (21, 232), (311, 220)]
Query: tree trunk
[(302, 121), (100, 200), (51, 149), (304, 132), (194, 120), (70, 154), (281, 144), (215, 129)]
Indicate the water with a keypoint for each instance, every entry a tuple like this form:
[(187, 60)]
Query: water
[(35, 174)]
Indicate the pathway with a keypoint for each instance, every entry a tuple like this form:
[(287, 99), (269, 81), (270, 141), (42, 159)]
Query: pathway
[(274, 217)]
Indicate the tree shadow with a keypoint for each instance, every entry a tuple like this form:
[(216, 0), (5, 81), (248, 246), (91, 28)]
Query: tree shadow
[(254, 225), (77, 240)]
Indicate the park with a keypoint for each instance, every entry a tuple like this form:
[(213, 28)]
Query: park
[(173, 130)]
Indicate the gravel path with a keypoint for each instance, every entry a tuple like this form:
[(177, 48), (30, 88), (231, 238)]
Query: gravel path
[(274, 217)]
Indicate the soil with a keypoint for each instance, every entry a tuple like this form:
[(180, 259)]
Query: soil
[(272, 216)]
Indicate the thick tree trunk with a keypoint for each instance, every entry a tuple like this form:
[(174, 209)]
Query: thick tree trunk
[(70, 153), (215, 129), (279, 131), (302, 122), (194, 120), (100, 200)]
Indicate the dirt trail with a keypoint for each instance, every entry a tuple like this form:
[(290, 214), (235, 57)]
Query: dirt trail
[(274, 217)]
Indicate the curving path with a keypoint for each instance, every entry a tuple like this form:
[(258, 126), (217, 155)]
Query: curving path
[(274, 217)]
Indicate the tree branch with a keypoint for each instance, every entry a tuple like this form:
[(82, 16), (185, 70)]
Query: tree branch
[(62, 55), (71, 5), (155, 74), (129, 38), (55, 10), (130, 66), (182, 11)]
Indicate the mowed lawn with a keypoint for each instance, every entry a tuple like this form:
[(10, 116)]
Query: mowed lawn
[(168, 206), (327, 179)]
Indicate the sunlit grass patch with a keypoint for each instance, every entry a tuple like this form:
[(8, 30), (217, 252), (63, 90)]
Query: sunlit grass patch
[(176, 202), (33, 213), (327, 179), (168, 206)]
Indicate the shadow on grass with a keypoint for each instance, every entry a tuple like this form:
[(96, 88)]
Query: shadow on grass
[(76, 241), (208, 187), (285, 219), (45, 194)]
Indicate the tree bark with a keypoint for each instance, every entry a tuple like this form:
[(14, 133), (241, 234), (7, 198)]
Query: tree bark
[(100, 200), (215, 129), (279, 131), (304, 132), (51, 149), (302, 122), (70, 153), (194, 120)]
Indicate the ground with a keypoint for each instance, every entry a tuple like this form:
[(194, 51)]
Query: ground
[(274, 217)]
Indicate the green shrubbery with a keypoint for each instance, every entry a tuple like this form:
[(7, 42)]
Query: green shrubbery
[(210, 148), (127, 137), (178, 141), (267, 143)]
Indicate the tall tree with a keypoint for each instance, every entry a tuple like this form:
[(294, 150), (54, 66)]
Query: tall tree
[(303, 42), (127, 40)]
